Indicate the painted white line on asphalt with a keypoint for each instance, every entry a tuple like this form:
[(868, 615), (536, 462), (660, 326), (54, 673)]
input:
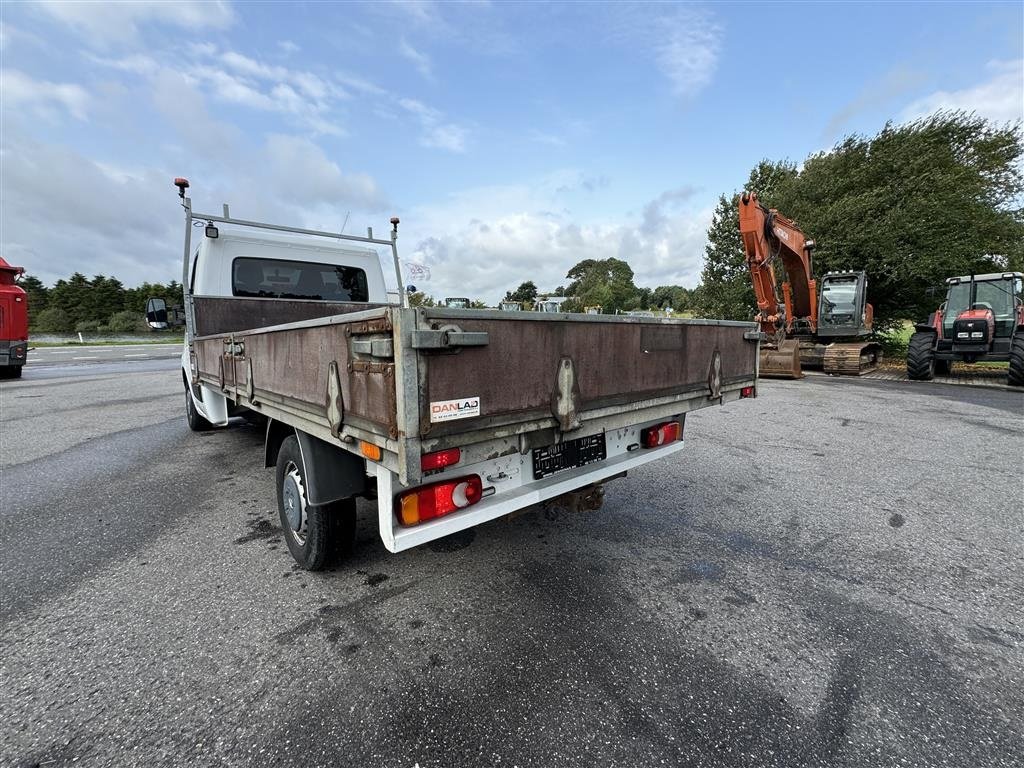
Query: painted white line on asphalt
[(91, 357), (57, 351), (139, 355)]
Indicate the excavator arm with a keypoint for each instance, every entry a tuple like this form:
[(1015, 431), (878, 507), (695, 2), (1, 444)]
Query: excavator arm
[(768, 237)]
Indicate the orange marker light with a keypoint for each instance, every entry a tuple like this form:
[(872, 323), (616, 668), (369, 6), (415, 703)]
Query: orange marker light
[(370, 451)]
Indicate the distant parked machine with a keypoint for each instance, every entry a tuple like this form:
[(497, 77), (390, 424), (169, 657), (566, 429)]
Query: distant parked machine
[(458, 303), (550, 303), (806, 327), (13, 322), (981, 320), (511, 306)]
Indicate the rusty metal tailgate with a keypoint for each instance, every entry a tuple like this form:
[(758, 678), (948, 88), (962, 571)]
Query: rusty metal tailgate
[(543, 365)]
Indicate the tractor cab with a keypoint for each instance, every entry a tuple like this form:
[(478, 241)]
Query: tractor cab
[(981, 309), (842, 305)]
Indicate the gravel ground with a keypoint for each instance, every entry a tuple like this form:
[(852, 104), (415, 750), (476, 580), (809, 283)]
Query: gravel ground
[(828, 575)]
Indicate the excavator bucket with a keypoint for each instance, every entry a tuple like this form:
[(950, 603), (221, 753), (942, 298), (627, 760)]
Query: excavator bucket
[(781, 361)]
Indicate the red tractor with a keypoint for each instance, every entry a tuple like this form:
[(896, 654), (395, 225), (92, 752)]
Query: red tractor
[(13, 322), (982, 319)]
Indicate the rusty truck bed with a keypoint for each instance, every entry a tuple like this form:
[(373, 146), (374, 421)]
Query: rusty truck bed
[(421, 379)]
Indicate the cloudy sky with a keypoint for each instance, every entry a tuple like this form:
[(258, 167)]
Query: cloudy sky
[(512, 139)]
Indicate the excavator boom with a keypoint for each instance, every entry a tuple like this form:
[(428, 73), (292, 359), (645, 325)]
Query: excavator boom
[(791, 321)]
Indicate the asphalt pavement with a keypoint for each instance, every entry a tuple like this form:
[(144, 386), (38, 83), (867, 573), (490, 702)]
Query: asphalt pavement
[(829, 575), (42, 357)]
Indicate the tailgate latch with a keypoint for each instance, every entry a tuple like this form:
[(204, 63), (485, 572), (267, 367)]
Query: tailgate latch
[(447, 337)]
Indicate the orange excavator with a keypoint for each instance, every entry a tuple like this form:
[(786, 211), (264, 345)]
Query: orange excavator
[(806, 328)]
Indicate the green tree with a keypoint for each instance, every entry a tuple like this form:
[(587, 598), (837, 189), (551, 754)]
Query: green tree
[(527, 291), (420, 299), (53, 319), (727, 292), (38, 296), (913, 205), (605, 282)]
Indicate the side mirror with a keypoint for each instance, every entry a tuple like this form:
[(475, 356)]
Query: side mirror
[(156, 313)]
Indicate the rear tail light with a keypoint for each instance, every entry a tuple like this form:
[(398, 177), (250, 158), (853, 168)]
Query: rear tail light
[(748, 392), (440, 459), (661, 434), (439, 499)]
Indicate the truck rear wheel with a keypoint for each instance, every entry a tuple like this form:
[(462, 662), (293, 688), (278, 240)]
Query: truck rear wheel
[(315, 534), (195, 420), (921, 356), (1015, 376)]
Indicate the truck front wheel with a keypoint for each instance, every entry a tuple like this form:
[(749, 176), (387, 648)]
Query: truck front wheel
[(315, 534), (195, 421)]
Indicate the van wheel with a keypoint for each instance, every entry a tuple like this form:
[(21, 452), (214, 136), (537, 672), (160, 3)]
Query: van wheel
[(315, 534), (195, 421)]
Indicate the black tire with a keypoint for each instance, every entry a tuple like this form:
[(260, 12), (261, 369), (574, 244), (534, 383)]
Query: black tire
[(943, 367), (10, 372), (1015, 376), (921, 356), (195, 420), (316, 535)]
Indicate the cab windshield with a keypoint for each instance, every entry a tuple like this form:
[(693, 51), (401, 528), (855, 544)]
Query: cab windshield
[(839, 300), (996, 295)]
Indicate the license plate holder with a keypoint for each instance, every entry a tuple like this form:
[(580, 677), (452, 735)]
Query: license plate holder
[(569, 454)]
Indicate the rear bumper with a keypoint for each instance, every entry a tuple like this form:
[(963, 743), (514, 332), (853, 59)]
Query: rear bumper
[(13, 352), (397, 538)]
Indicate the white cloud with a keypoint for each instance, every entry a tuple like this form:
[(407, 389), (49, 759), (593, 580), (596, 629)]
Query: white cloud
[(687, 51), (302, 170), (309, 100), (42, 97), (436, 133), (550, 139), (70, 213), (64, 212), (485, 241), (1000, 98), (103, 23), (419, 60), (288, 47)]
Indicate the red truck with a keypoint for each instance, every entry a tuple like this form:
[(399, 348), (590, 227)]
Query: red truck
[(13, 322)]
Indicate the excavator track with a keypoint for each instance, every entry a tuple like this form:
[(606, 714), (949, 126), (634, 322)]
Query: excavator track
[(852, 359)]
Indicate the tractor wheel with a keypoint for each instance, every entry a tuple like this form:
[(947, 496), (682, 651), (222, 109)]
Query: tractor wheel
[(1015, 377), (921, 356)]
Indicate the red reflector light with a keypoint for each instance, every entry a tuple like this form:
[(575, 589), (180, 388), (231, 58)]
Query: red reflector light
[(661, 434), (440, 459), (748, 392), (439, 499)]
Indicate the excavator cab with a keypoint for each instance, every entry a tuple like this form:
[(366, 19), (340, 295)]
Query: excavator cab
[(843, 309)]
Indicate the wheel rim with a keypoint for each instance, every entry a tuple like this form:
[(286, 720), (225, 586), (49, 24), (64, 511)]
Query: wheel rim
[(293, 497)]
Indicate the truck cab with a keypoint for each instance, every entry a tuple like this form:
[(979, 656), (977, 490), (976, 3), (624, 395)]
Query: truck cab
[(255, 273), (13, 322)]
